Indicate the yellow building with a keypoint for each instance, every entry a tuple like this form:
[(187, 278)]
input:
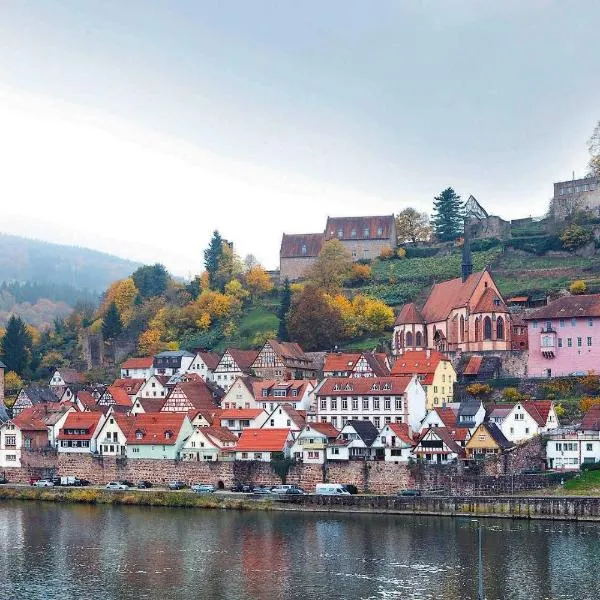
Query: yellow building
[(435, 372), (487, 439)]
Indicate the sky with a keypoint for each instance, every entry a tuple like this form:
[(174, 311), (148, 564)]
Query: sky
[(137, 127)]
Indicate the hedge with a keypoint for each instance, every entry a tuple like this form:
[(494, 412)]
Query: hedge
[(536, 244), (420, 252)]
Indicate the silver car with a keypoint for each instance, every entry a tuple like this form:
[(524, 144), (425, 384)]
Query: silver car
[(115, 485), (203, 488), (43, 483)]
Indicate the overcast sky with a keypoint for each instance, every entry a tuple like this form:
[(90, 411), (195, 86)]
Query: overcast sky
[(139, 126)]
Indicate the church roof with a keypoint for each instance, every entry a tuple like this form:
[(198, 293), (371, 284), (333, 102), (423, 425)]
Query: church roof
[(409, 314), (490, 301), (448, 295)]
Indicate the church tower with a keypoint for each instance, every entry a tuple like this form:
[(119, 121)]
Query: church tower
[(467, 259)]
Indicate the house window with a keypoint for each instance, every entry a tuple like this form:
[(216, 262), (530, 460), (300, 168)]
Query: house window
[(168, 435), (590, 322), (377, 422), (579, 342), (257, 455), (569, 343), (265, 393), (588, 447), (366, 232), (387, 404), (11, 457), (560, 342), (398, 404), (244, 455), (340, 233), (534, 324), (304, 249), (589, 341), (344, 404), (354, 403), (10, 440), (573, 322), (379, 231), (561, 322), (323, 404), (135, 449), (353, 233), (139, 435), (487, 329), (376, 404), (365, 404), (333, 404)]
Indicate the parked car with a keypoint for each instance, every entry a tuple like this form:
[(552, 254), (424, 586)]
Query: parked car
[(144, 485), (55, 480), (43, 483), (81, 482), (331, 489), (409, 492), (177, 485), (203, 488), (295, 491), (33, 479), (262, 490), (126, 482), (3, 479), (242, 487), (116, 485), (281, 489)]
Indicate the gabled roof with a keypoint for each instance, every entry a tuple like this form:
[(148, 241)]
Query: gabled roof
[(262, 440), (240, 413), (87, 421), (365, 429), (499, 410), (358, 225), (591, 420), (87, 400), (71, 376), (567, 307), (288, 351), (292, 245), (377, 361), (40, 393), (473, 365), (153, 428), (151, 405), (210, 359), (340, 361), (29, 420), (538, 409), (402, 432), (409, 315), (448, 295), (447, 416), (487, 302), (144, 362), (243, 358), (326, 429), (418, 362), (468, 409), (497, 435), (212, 416), (446, 436), (131, 386), (220, 434), (197, 393), (174, 354), (257, 387), (344, 386), (297, 418), (119, 395)]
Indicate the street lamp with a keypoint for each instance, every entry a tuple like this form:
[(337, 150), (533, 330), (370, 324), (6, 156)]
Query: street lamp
[(480, 595)]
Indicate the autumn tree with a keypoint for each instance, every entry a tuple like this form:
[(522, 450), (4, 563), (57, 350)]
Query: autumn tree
[(212, 256), (150, 343), (332, 268), (447, 215), (413, 226), (285, 303), (587, 402), (590, 383), (313, 323), (16, 346), (151, 280), (575, 236), (112, 324), (258, 281), (479, 390), (229, 267), (578, 287), (12, 385)]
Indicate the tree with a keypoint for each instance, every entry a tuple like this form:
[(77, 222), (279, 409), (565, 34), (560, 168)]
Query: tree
[(258, 281), (112, 324), (285, 303), (361, 274), (332, 268), (386, 253), (16, 346), (575, 236), (212, 256), (123, 294), (479, 390), (149, 342), (313, 323), (447, 215), (12, 384), (578, 287), (590, 382), (587, 402), (412, 226), (151, 280), (594, 148), (229, 267)]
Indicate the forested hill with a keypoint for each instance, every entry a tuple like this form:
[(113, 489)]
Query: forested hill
[(27, 260)]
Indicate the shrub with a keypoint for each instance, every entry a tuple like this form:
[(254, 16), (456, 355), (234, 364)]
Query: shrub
[(575, 236), (387, 253), (539, 244), (482, 245), (511, 394), (578, 287), (587, 402), (590, 383), (425, 252), (360, 274), (479, 390), (401, 253)]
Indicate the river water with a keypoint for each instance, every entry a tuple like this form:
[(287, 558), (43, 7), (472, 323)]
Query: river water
[(56, 552)]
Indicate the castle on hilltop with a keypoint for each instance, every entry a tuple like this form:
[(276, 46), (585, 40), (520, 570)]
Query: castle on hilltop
[(363, 237)]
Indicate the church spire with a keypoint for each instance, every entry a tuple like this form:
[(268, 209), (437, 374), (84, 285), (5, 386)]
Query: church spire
[(467, 260)]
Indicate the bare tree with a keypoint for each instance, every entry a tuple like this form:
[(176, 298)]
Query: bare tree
[(413, 226)]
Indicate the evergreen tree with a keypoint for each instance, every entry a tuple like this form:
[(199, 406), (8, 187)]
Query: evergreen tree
[(447, 215), (16, 346), (212, 256), (151, 280), (284, 308), (112, 324)]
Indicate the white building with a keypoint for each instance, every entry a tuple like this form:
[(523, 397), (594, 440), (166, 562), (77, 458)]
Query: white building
[(79, 432), (237, 420), (208, 444), (233, 364), (394, 443), (155, 387), (204, 365), (137, 368), (263, 444), (311, 443), (523, 420), (171, 362)]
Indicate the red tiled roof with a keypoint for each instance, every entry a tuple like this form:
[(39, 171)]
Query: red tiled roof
[(538, 409), (364, 386), (29, 420), (446, 436), (131, 386), (416, 362), (288, 351), (257, 386), (153, 427), (120, 396), (240, 413), (144, 362), (409, 314), (359, 224), (86, 399), (296, 417), (487, 302), (326, 429), (243, 358), (591, 420), (567, 307), (71, 376), (262, 440), (222, 434), (80, 420), (519, 299), (210, 359), (151, 405), (473, 365), (402, 432), (210, 416), (292, 244), (447, 295), (340, 361)]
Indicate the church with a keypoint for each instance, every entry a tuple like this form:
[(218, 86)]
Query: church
[(467, 314)]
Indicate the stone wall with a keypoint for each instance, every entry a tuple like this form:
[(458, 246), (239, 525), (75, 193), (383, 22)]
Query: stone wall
[(295, 268)]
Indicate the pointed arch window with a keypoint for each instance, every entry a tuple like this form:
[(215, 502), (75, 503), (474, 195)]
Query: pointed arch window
[(462, 328), (477, 329), (487, 328), (500, 328), (419, 339), (409, 339)]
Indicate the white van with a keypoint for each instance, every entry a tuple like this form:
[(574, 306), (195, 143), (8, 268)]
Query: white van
[(331, 489)]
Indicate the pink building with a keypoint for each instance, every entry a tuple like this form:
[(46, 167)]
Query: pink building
[(564, 337)]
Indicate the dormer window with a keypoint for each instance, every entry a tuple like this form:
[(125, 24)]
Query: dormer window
[(375, 386), (387, 386), (294, 393), (168, 435), (265, 393), (139, 435), (348, 387), (496, 301), (336, 387)]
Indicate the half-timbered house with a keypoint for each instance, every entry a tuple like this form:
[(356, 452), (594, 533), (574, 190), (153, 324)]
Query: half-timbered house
[(233, 364), (283, 360)]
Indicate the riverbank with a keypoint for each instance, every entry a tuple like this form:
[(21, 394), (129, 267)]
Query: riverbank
[(565, 508)]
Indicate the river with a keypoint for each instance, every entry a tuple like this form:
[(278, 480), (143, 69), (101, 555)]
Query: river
[(62, 552)]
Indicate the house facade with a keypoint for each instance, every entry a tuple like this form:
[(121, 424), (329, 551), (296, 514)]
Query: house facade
[(209, 444), (438, 446), (523, 420), (233, 364), (158, 435), (62, 378), (138, 368), (356, 364), (171, 362), (204, 365), (31, 395), (282, 360), (564, 337), (394, 443), (487, 440), (298, 253), (237, 420), (311, 443), (79, 432), (154, 387), (354, 442), (263, 444), (26, 431)]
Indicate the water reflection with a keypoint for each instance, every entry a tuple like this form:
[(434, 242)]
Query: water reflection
[(61, 552)]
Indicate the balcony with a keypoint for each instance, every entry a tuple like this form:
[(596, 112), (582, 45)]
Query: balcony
[(548, 343)]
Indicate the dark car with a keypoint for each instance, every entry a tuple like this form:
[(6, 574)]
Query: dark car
[(127, 483), (295, 491), (177, 485), (242, 488), (412, 493), (144, 485), (3, 479), (55, 480), (81, 482)]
